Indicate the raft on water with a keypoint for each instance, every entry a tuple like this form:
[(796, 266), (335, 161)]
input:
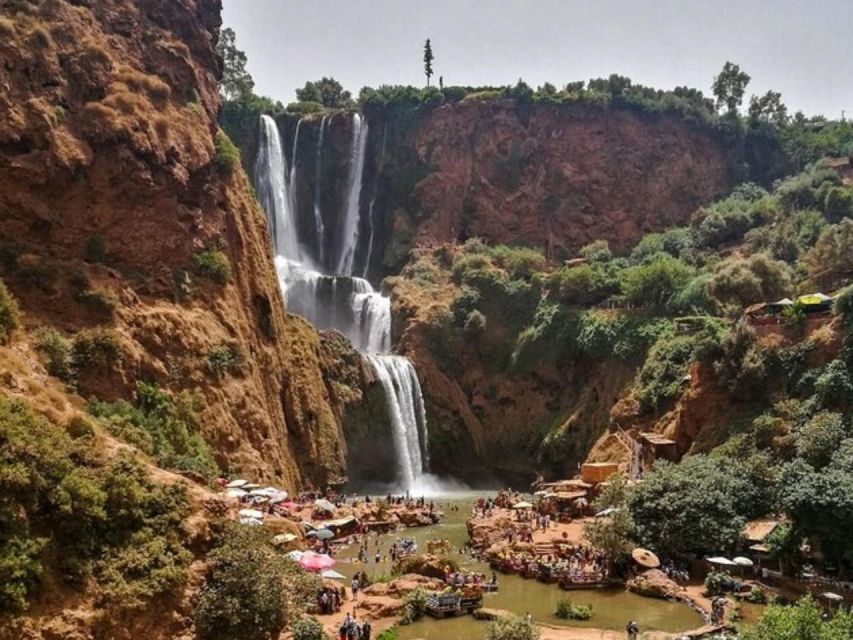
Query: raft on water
[(453, 604)]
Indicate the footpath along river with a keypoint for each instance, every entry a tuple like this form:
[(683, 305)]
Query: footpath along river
[(612, 608)]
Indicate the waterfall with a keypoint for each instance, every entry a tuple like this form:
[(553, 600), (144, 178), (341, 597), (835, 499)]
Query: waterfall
[(319, 228), (339, 300), (349, 236), (406, 411), (373, 202), (272, 192)]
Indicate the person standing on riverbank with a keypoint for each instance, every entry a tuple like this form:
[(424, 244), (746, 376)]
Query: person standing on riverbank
[(631, 630)]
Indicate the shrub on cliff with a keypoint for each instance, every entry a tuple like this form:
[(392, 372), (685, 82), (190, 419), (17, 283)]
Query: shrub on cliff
[(213, 264), (657, 282), (95, 348), (739, 282), (163, 426), (57, 350), (251, 591), (227, 155), (8, 312), (91, 519), (305, 107), (223, 359), (661, 378)]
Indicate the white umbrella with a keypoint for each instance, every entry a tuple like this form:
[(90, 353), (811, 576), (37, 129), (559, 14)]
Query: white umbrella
[(236, 484), (251, 513), (522, 505), (235, 493), (250, 486), (832, 596), (609, 511), (725, 562), (743, 562), (332, 574), (541, 493)]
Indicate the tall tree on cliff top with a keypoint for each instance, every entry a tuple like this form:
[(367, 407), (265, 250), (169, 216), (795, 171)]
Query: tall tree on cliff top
[(428, 58), (729, 87), (236, 82), (327, 91)]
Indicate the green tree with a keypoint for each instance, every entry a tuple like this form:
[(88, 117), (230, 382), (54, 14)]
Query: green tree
[(251, 592), (236, 82), (327, 91), (768, 108), (802, 621), (729, 87), (656, 282), (428, 58), (8, 312), (688, 508)]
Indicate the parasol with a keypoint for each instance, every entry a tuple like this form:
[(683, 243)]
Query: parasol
[(743, 562), (236, 484), (522, 505), (333, 575), (321, 534), (283, 538), (645, 558), (316, 561), (723, 562)]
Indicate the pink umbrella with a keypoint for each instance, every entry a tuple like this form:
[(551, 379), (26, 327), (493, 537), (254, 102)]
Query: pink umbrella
[(316, 561)]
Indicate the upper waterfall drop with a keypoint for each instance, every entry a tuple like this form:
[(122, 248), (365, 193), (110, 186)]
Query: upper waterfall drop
[(339, 300), (348, 242), (271, 187)]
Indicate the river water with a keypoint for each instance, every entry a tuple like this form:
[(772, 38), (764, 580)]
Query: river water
[(612, 609)]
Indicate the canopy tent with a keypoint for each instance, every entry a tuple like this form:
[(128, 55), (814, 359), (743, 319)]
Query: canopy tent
[(813, 299), (645, 558), (324, 505), (333, 575), (723, 562), (567, 496), (522, 505)]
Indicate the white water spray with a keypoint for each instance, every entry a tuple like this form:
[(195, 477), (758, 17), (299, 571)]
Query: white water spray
[(349, 237)]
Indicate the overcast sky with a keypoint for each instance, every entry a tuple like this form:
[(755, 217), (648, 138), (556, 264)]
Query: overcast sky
[(802, 48)]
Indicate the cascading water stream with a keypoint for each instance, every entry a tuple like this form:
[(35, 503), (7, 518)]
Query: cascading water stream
[(349, 229), (339, 300)]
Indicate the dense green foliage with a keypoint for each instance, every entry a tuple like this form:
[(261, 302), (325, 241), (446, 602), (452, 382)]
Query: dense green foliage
[(512, 627), (8, 312), (227, 154), (802, 621), (163, 426), (568, 610), (213, 264), (62, 503), (251, 591)]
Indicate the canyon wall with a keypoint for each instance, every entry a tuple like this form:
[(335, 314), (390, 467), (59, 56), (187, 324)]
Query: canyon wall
[(115, 194)]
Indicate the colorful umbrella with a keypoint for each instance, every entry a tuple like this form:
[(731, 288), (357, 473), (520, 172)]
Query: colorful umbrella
[(316, 561)]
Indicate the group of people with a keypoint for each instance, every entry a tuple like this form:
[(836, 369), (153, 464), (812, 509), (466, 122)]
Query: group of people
[(350, 629), (680, 576), (571, 564), (329, 600)]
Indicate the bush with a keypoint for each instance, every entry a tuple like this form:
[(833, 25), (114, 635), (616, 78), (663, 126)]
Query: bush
[(662, 377), (567, 610), (469, 263), (308, 629), (251, 592), (107, 522), (213, 264), (227, 156), (8, 312), (838, 204), (738, 282), (656, 282), (464, 305), (717, 583), (475, 323), (519, 262), (415, 606), (512, 627), (95, 348), (163, 426), (58, 352), (224, 358), (101, 303)]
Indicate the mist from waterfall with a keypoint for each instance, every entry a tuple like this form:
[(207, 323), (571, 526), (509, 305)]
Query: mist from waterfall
[(339, 300)]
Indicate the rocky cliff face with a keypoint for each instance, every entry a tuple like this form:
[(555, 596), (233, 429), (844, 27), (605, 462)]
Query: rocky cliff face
[(561, 176), (112, 193)]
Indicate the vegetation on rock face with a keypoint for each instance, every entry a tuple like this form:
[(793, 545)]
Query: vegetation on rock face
[(68, 511), (213, 264), (8, 312), (512, 627), (251, 591)]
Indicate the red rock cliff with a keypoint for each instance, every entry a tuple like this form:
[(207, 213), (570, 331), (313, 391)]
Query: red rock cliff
[(107, 124)]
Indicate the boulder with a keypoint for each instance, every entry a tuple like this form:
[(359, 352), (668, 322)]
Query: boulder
[(654, 583)]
